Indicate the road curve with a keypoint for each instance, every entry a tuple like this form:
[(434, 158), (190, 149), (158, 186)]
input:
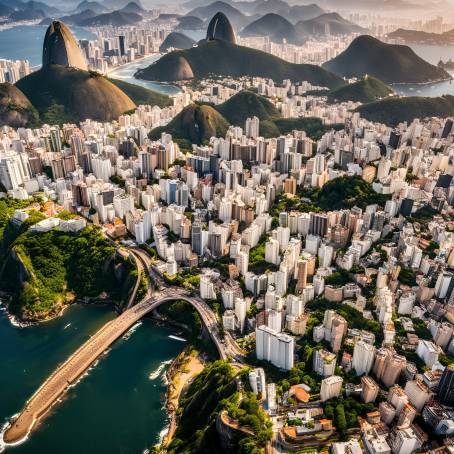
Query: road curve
[(75, 366)]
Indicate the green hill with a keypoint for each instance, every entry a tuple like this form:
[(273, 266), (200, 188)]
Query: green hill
[(394, 110), (15, 108), (45, 271), (194, 124), (142, 95), (63, 94), (227, 59), (198, 123), (274, 26), (368, 89), (388, 62), (247, 104)]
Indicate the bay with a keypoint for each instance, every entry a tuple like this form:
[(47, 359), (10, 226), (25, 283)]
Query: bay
[(116, 408)]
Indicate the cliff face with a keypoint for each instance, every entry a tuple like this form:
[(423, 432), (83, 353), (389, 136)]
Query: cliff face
[(221, 28), (60, 47)]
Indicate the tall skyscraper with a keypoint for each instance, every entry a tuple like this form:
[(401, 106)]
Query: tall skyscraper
[(446, 386)]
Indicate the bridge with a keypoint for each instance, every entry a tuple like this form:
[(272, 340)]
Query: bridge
[(75, 366)]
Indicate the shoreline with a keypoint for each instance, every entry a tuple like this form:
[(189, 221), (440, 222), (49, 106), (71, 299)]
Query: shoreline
[(180, 374), (422, 83)]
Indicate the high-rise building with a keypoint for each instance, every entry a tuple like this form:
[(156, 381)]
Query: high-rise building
[(363, 357), (369, 389), (418, 393), (330, 387), (388, 366), (277, 348), (324, 363), (446, 387)]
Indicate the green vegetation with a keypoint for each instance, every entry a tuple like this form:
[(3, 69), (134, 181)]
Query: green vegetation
[(183, 313), (407, 277), (340, 277), (257, 263), (227, 59), (345, 411), (195, 124), (368, 89), (209, 394), (394, 110), (116, 179), (250, 414), (58, 265), (15, 108), (198, 123), (388, 62), (189, 279), (354, 317), (141, 95), (424, 214), (347, 192), (61, 94), (247, 104)]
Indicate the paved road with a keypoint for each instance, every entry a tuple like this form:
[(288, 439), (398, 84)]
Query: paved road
[(71, 370)]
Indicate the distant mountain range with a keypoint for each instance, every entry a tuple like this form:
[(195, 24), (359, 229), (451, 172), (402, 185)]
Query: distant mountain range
[(191, 23), (227, 59), (96, 7), (17, 10), (236, 17), (277, 27), (416, 36), (390, 63), (115, 18)]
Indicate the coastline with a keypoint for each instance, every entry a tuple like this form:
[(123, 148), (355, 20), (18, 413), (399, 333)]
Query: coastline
[(180, 374), (423, 83)]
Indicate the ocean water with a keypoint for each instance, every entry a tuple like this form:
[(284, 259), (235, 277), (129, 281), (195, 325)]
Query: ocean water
[(116, 408), (26, 42)]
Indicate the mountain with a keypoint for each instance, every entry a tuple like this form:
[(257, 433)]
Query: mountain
[(333, 22), (247, 104), (194, 124), (15, 108), (96, 7), (388, 62), (24, 14), (236, 17), (297, 13), (5, 10), (60, 47), (49, 11), (220, 28), (177, 41), (227, 59), (394, 110), (118, 4), (366, 90), (198, 123), (73, 95), (276, 27), (190, 23), (261, 6), (133, 7), (77, 18), (63, 90), (141, 95), (115, 18), (416, 36)]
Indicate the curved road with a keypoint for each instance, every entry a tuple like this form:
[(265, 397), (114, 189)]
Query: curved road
[(71, 370)]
